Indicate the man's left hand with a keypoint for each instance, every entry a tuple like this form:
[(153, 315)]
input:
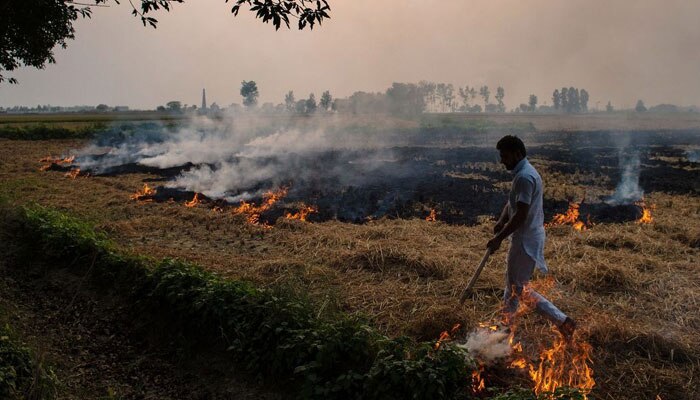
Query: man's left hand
[(494, 244)]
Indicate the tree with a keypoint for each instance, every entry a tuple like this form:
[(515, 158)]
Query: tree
[(556, 99), (640, 107), (584, 97), (23, 44), (326, 100), (289, 102), (174, 106), (564, 96), (249, 91), (406, 99), (311, 104), (609, 107), (102, 107), (532, 103), (485, 94), (500, 94)]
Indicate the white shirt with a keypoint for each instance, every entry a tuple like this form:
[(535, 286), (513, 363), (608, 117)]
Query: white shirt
[(527, 188)]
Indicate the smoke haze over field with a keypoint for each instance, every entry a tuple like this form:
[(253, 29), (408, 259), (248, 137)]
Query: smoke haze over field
[(619, 51)]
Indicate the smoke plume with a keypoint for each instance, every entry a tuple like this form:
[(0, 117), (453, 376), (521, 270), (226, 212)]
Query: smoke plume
[(488, 345)]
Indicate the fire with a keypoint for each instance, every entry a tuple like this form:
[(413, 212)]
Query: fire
[(570, 218), (432, 217), (143, 193), (194, 201), (253, 212), (446, 335), (478, 383), (564, 363), (646, 217), (302, 213), (49, 160), (74, 173)]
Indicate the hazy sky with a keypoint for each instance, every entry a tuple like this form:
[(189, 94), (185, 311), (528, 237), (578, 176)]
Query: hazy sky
[(618, 50)]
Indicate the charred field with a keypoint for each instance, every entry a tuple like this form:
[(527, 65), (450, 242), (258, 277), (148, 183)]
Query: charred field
[(366, 246)]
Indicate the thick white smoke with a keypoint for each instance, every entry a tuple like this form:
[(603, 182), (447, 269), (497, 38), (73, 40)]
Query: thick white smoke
[(234, 159), (487, 345)]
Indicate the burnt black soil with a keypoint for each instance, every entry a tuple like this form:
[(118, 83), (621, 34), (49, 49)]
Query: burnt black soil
[(460, 183)]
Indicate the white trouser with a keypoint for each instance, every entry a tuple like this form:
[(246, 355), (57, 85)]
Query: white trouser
[(518, 273)]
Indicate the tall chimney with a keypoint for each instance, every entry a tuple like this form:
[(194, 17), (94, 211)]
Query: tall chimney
[(204, 99)]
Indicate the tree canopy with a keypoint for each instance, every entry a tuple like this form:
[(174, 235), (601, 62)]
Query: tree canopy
[(31, 29)]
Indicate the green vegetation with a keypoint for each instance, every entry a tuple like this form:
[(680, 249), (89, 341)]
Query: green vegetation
[(22, 374), (269, 332), (45, 132)]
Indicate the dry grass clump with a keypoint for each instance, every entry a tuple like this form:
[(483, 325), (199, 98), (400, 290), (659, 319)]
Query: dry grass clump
[(390, 260)]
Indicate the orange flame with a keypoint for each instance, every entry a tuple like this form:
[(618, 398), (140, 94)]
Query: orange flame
[(432, 217), (252, 212), (51, 160), (478, 383), (561, 364), (446, 336), (646, 217), (74, 173), (303, 213), (570, 218), (193, 202), (143, 193)]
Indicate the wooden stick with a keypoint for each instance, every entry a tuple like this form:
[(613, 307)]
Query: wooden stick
[(467, 291)]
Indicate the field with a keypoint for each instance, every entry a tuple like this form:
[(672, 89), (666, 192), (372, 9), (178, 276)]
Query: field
[(632, 287)]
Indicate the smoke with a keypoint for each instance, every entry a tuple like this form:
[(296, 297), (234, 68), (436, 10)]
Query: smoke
[(488, 345), (693, 155), (628, 190), (237, 158)]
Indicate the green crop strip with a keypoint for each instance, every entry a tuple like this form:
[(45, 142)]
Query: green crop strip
[(271, 334)]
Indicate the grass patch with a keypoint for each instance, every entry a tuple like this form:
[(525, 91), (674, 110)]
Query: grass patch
[(48, 132), (22, 374), (269, 332)]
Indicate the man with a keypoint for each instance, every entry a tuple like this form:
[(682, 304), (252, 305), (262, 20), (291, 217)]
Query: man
[(523, 218)]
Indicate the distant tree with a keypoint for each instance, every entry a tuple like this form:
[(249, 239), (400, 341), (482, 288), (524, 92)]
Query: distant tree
[(102, 107), (464, 94), (300, 106), (31, 29), (174, 106), (326, 100), (492, 108), (429, 90), (640, 107), (450, 97), (556, 99), (532, 103), (311, 104), (500, 94), (584, 97), (406, 99), (249, 91), (289, 101), (564, 97), (523, 108), (160, 108), (609, 107), (485, 94)]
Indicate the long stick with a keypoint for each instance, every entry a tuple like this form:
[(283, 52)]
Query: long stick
[(467, 291)]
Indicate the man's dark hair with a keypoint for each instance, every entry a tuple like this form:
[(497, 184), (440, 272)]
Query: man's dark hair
[(511, 143)]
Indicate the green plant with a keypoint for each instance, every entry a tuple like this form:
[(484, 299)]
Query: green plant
[(22, 374)]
